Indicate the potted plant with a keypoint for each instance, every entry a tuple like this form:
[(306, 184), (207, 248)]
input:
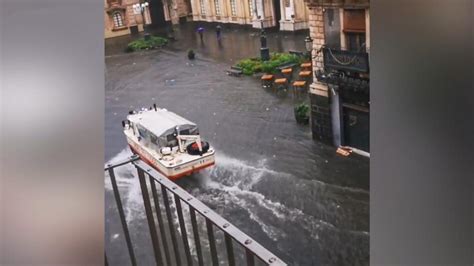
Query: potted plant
[(191, 54), (302, 113)]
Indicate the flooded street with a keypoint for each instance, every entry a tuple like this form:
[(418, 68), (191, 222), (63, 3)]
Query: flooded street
[(295, 196)]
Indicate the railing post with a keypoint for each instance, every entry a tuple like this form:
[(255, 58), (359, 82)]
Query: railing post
[(250, 257), (196, 236), (184, 234), (212, 242), (170, 224), (122, 216), (230, 249), (160, 220), (253, 249), (149, 216)]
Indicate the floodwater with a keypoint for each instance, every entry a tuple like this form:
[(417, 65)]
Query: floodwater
[(295, 196)]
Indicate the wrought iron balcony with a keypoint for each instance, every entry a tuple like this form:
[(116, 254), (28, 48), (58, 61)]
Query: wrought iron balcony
[(341, 60)]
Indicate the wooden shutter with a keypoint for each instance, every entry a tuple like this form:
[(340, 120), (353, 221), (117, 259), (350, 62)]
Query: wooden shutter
[(354, 20)]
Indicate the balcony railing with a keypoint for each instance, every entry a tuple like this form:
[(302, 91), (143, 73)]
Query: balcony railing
[(160, 186), (335, 59)]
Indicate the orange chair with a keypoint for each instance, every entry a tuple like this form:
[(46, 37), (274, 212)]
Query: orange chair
[(306, 65), (281, 82), (287, 73), (267, 80), (298, 84), (305, 74)]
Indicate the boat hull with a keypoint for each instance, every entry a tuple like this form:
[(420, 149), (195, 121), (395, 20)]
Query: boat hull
[(177, 171)]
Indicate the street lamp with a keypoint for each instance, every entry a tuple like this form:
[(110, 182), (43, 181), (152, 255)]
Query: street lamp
[(264, 51), (308, 42), (140, 8)]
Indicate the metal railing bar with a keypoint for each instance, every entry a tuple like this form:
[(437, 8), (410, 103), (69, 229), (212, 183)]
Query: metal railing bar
[(250, 258), (156, 200), (184, 234), (212, 243), (149, 216), (166, 201), (122, 162), (122, 216), (239, 236), (230, 249), (196, 236)]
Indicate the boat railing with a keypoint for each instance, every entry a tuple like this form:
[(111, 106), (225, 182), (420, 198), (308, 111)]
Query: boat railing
[(177, 237)]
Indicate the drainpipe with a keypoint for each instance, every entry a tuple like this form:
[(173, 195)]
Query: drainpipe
[(336, 117)]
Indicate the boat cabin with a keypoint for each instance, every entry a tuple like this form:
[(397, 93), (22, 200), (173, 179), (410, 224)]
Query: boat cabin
[(156, 129)]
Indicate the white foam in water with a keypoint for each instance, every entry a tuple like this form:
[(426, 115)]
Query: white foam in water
[(128, 185), (230, 180)]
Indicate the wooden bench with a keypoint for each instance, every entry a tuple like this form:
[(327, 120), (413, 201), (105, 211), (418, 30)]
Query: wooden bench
[(289, 65), (234, 72), (297, 53)]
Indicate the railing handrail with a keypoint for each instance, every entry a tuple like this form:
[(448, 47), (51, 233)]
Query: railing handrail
[(193, 203), (215, 218)]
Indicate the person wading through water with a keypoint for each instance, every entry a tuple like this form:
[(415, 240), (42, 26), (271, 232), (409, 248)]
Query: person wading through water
[(200, 30), (218, 32)]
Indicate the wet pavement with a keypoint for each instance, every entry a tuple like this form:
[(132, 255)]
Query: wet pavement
[(295, 196)]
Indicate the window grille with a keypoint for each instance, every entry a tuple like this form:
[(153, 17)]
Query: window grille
[(233, 8), (203, 8), (251, 8), (218, 7), (118, 20)]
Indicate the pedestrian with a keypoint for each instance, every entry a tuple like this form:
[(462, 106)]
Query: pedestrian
[(218, 32), (200, 30)]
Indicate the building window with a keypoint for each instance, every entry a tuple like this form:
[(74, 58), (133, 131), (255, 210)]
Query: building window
[(218, 7), (354, 29), (251, 8), (118, 20), (203, 8), (233, 8)]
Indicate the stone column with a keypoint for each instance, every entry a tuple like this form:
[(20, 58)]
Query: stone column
[(321, 121), (367, 30), (293, 11)]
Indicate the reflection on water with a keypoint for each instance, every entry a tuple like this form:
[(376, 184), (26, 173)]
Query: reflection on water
[(235, 43)]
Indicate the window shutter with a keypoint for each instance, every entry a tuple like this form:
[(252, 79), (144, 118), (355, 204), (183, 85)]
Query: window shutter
[(354, 20)]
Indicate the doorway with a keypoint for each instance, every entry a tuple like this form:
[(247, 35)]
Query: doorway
[(356, 121), (157, 13), (277, 12)]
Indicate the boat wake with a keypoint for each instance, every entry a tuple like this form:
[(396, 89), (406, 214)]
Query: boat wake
[(230, 182)]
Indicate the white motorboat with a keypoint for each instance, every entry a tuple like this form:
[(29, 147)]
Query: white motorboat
[(168, 142)]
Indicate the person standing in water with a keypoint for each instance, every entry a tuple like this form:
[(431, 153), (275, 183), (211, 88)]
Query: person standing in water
[(218, 32), (200, 30)]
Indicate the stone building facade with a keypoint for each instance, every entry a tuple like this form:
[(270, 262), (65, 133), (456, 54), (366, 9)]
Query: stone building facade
[(339, 94), (177, 10), (120, 19), (289, 15)]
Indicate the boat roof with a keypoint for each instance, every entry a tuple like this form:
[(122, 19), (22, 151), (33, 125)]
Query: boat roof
[(160, 121)]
